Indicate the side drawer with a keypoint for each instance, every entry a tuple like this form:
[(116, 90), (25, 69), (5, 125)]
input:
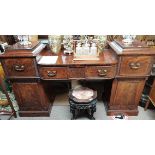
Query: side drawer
[(53, 72), (140, 65), (100, 72), (19, 67)]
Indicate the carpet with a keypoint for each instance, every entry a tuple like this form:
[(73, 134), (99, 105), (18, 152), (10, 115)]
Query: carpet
[(12, 97)]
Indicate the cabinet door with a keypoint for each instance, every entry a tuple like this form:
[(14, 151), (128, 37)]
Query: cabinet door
[(30, 97), (126, 94)]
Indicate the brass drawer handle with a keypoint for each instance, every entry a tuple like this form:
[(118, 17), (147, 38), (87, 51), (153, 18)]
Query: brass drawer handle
[(134, 65), (51, 73), (19, 68), (102, 72)]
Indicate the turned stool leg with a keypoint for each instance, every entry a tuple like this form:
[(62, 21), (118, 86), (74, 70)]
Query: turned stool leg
[(147, 104), (92, 110), (74, 114), (92, 114)]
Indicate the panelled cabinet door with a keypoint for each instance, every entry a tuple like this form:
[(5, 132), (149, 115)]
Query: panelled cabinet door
[(30, 97), (126, 94)]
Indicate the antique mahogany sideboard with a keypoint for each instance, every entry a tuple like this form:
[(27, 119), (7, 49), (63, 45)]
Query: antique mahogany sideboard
[(128, 69)]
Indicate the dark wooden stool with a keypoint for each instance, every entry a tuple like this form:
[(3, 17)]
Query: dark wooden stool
[(79, 105)]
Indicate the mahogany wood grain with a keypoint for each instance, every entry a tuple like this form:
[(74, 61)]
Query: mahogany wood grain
[(138, 65), (108, 57), (137, 48), (19, 67), (129, 71), (100, 72), (31, 99), (17, 50), (126, 94), (76, 72), (53, 72)]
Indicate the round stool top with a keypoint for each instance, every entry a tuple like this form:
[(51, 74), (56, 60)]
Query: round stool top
[(82, 94)]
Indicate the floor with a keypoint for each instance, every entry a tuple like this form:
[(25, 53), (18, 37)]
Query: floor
[(60, 111)]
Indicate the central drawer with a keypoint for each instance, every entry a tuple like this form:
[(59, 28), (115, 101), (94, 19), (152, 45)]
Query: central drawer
[(76, 72), (100, 72), (53, 72)]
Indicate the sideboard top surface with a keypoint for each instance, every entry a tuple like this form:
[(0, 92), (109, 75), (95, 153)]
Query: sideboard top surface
[(107, 57), (19, 47)]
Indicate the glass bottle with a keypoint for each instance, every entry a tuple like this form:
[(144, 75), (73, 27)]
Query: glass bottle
[(86, 49), (93, 49), (78, 49)]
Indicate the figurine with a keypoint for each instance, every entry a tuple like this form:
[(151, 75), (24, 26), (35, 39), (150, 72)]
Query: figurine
[(101, 41), (68, 44), (24, 40)]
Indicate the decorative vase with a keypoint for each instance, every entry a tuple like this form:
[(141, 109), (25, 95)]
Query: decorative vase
[(55, 43), (101, 41)]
